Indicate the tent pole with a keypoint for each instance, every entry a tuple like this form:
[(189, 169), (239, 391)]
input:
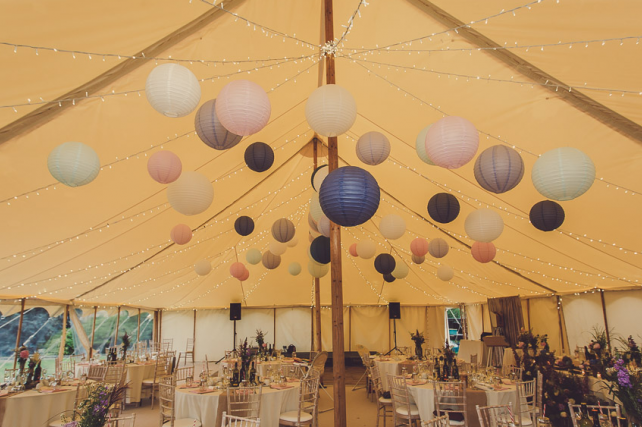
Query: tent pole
[(274, 325), (528, 312), (559, 320), (22, 313), (606, 322), (93, 332), (317, 281), (193, 341), (117, 326), (160, 326), (63, 337), (155, 328), (138, 330)]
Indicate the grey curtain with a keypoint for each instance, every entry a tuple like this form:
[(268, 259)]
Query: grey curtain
[(509, 316)]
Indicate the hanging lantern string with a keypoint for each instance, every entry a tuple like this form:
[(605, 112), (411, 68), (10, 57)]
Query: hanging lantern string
[(348, 27)]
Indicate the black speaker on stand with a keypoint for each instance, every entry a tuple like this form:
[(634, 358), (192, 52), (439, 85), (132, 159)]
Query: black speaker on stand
[(235, 314), (394, 313)]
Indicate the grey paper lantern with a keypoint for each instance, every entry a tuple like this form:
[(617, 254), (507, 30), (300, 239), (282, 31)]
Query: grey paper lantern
[(499, 169), (373, 148), (211, 131), (270, 261), (418, 259), (283, 230), (438, 248)]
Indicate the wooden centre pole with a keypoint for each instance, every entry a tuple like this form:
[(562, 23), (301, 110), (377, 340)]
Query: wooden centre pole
[(63, 336), (93, 333), (138, 330), (559, 320), (117, 326), (317, 281), (338, 355), (606, 322), (22, 314)]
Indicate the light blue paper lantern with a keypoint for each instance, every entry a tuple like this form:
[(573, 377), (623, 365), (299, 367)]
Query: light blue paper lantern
[(420, 146), (563, 173), (73, 164)]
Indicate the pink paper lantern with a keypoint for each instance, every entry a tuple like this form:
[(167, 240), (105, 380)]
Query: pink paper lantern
[(245, 275), (243, 107), (419, 247), (181, 234), (452, 142), (237, 269), (483, 252), (353, 250), (164, 167)]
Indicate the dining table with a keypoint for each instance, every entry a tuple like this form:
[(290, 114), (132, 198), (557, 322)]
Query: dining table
[(208, 406), (135, 373), (35, 408), (392, 366)]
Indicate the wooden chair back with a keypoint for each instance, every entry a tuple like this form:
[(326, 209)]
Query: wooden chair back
[(128, 421), (527, 402), (574, 410), (244, 402), (495, 416), (232, 421), (450, 400), (181, 374), (115, 373), (317, 366), (97, 372), (442, 421), (166, 390), (401, 400)]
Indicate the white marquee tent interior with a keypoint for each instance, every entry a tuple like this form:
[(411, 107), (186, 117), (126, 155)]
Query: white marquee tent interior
[(76, 71)]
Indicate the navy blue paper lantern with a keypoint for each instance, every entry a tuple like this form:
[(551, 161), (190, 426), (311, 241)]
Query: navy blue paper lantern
[(389, 278), (385, 263), (320, 249), (244, 225), (259, 157), (349, 196), (443, 207), (547, 215)]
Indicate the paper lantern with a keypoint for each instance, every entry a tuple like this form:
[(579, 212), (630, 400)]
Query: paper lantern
[(418, 259), (366, 249), (384, 263), (499, 168), (73, 164), (314, 234), (443, 208), (330, 110), (483, 252), (277, 248), (191, 194), (315, 210), (293, 242), (419, 246), (563, 173), (294, 268), (320, 250), (438, 248), (283, 230), (243, 107), (420, 146), (389, 278), (392, 226), (452, 142), (353, 250), (211, 131), (445, 273), (259, 156), (484, 225), (237, 269), (253, 256), (164, 167), (318, 270), (311, 222), (547, 215), (244, 225), (270, 261), (245, 275), (349, 196), (311, 237), (172, 90), (203, 267), (324, 226), (373, 148), (181, 234), (401, 270), (318, 176)]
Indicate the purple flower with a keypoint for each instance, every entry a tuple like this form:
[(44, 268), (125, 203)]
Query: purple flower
[(623, 378)]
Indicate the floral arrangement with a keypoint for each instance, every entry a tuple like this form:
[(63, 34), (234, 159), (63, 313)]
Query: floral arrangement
[(598, 357), (93, 411), (418, 338), (125, 345), (627, 387), (260, 339), (448, 353), (23, 355), (630, 352)]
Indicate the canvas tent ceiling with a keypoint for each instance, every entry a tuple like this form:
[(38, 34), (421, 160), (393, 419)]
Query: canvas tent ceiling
[(107, 242)]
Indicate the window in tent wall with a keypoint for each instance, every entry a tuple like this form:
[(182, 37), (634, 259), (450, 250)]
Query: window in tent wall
[(454, 327), (105, 328)]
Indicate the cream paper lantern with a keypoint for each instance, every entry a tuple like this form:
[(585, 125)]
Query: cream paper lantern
[(294, 268), (420, 146), (319, 175), (315, 208), (563, 173), (445, 273), (73, 164), (293, 242), (243, 107), (438, 248), (312, 223), (373, 148), (418, 259), (278, 248), (392, 226), (331, 110), (191, 194), (366, 249), (270, 260), (173, 90), (318, 270), (484, 225), (452, 142), (401, 270), (203, 267), (324, 226), (253, 256)]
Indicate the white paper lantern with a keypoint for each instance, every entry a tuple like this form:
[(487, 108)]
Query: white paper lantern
[(73, 164), (278, 248), (270, 261), (321, 172), (315, 208), (294, 268), (203, 267), (420, 146), (173, 90), (366, 249), (243, 107), (253, 256), (331, 110), (293, 242), (445, 273), (392, 226), (373, 148), (401, 270), (191, 194), (484, 225), (563, 173), (324, 226), (452, 142), (438, 248), (318, 270)]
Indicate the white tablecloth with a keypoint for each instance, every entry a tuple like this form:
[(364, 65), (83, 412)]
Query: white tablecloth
[(470, 347), (135, 374), (205, 407), (389, 367), (35, 409)]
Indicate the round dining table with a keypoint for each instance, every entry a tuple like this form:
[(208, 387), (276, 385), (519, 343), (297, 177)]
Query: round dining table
[(391, 366), (208, 407), (35, 408), (135, 373)]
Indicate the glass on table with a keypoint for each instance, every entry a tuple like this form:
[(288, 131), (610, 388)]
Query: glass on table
[(189, 380)]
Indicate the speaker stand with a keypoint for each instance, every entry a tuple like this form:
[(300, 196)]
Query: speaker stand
[(394, 322), (234, 347)]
